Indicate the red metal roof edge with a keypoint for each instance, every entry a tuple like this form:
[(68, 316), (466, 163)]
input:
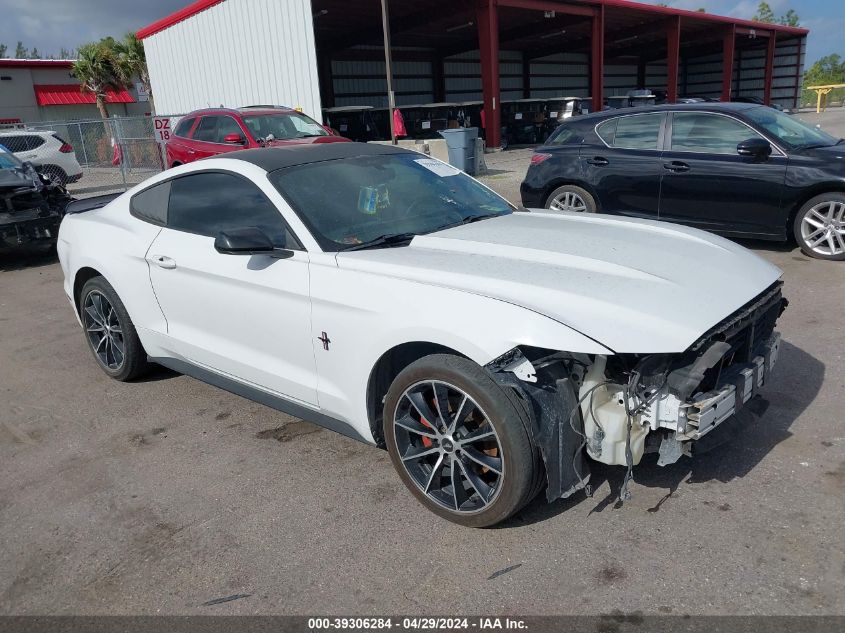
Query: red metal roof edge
[(35, 63), (53, 94), (202, 5), (700, 15), (174, 18)]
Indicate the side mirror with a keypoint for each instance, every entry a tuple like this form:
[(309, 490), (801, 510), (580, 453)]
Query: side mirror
[(757, 148), (234, 139), (248, 241)]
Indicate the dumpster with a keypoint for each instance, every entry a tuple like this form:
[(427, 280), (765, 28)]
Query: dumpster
[(461, 145), (354, 122)]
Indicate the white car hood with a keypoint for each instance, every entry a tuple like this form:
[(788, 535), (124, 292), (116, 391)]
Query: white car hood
[(632, 285)]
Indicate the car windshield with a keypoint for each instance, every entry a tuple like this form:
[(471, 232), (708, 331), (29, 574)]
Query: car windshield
[(282, 125), (351, 202), (790, 130), (7, 159)]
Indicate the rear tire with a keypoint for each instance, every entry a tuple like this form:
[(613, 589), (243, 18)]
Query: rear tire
[(109, 331), (475, 465), (819, 227), (571, 198)]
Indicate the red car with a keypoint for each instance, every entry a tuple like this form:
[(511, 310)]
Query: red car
[(218, 130)]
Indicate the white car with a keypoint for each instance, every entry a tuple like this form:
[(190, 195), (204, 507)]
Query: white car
[(388, 296), (46, 150)]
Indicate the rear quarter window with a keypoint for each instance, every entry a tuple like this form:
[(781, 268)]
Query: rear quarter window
[(184, 126), (564, 135), (150, 205)]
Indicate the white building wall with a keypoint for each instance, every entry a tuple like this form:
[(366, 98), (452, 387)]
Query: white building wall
[(237, 53)]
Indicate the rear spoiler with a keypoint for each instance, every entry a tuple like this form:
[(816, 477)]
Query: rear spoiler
[(89, 204)]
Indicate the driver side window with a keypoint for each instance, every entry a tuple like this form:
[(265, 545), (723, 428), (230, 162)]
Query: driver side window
[(708, 133), (206, 203)]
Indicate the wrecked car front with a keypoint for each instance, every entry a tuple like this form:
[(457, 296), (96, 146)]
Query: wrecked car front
[(31, 205), (687, 320)]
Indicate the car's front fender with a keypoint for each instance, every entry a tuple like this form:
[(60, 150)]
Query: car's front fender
[(365, 315)]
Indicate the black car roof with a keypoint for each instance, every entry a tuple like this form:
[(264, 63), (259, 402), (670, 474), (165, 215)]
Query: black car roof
[(706, 106), (272, 158)]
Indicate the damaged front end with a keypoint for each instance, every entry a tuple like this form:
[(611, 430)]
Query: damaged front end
[(31, 205), (615, 408)]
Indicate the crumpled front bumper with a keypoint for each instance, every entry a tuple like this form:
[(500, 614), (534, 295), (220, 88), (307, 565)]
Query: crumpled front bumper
[(737, 386)]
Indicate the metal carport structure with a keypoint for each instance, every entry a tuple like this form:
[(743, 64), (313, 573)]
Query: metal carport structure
[(510, 46)]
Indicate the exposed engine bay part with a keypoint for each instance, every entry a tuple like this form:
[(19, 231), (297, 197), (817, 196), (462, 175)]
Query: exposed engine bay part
[(618, 407), (31, 205)]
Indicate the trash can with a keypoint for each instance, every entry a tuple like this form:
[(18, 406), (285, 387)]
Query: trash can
[(461, 145)]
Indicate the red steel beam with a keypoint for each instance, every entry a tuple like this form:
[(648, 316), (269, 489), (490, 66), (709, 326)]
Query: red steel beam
[(673, 58), (728, 43), (770, 69), (488, 44), (597, 60), (545, 5)]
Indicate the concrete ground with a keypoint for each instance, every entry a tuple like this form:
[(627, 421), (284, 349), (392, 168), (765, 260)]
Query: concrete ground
[(162, 495)]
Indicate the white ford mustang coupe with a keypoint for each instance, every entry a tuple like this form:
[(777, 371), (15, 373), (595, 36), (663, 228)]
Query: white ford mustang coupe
[(392, 298)]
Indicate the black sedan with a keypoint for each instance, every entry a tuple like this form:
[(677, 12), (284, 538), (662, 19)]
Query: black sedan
[(738, 169)]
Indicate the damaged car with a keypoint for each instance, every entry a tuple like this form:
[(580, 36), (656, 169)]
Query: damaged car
[(495, 352), (31, 205)]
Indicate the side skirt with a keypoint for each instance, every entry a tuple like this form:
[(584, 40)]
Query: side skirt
[(261, 397)]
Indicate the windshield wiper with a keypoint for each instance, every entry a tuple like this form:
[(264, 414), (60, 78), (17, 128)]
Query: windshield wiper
[(468, 219), (397, 239)]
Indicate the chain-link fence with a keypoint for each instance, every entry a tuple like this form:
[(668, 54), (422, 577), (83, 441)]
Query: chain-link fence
[(93, 156)]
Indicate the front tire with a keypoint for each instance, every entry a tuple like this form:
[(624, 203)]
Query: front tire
[(571, 198), (109, 331), (458, 442), (819, 227)]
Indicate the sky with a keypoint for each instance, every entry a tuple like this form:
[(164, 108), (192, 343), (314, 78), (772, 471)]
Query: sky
[(50, 25)]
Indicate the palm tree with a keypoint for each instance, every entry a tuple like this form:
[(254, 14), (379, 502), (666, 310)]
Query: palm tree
[(132, 62), (96, 69)]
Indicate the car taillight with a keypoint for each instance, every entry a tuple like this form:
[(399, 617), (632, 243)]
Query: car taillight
[(66, 147), (539, 157)]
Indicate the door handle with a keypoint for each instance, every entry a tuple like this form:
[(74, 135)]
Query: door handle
[(676, 167), (598, 161), (163, 261)]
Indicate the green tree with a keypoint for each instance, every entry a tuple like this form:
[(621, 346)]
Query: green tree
[(20, 51), (96, 68), (828, 70), (790, 19), (765, 14), (132, 62), (34, 53), (3, 50)]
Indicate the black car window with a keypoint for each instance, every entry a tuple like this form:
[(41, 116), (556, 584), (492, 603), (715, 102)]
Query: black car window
[(564, 135), (34, 142), (151, 204), (22, 142), (639, 131), (607, 131), (227, 125), (206, 130), (184, 126), (209, 202), (708, 133)]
